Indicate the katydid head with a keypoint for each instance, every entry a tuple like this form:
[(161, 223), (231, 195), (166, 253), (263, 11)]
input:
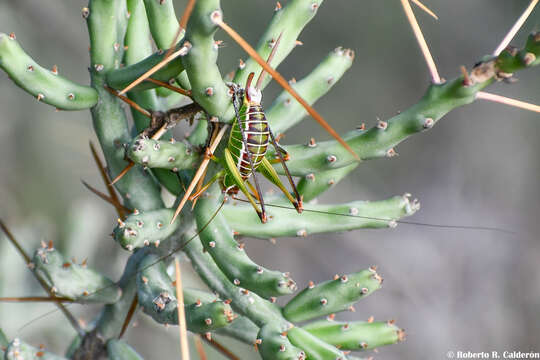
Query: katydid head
[(253, 94)]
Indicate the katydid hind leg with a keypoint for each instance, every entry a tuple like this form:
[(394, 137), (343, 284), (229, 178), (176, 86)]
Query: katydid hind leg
[(280, 152), (270, 173)]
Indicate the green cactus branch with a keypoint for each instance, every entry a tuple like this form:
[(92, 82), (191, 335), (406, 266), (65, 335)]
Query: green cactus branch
[(241, 329), (137, 43), (317, 218), (159, 154), (199, 135), (356, 335), (274, 345), (145, 228), (314, 347), (288, 21), (285, 112), (46, 85), (207, 86), (120, 78), (512, 59), (219, 242), (165, 158), (73, 281), (163, 22), (332, 296), (164, 28), (107, 22)]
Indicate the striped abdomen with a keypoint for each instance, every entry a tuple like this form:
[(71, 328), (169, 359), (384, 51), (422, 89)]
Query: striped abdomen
[(255, 125)]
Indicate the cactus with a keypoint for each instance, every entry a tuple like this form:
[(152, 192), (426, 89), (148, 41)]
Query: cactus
[(357, 335), (73, 281), (155, 293), (244, 304), (332, 296)]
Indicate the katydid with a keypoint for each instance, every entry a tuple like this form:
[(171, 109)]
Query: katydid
[(246, 149), (245, 154)]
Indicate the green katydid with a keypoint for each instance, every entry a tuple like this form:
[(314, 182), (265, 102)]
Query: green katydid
[(245, 152)]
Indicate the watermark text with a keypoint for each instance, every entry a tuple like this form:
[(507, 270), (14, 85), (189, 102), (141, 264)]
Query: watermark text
[(459, 354)]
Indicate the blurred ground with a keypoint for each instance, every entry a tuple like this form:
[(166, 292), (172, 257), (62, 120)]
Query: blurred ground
[(450, 289)]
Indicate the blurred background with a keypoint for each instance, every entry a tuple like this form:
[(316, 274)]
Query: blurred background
[(450, 289)]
